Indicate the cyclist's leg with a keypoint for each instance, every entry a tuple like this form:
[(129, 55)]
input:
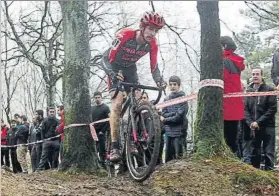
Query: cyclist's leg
[(133, 78), (130, 75), (114, 120)]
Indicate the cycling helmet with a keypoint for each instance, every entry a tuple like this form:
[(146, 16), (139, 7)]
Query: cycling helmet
[(152, 18)]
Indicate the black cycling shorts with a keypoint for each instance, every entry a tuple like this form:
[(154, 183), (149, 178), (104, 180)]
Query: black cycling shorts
[(130, 76)]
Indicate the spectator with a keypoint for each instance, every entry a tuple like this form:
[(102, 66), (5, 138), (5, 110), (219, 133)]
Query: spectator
[(32, 147), (240, 129), (100, 111), (50, 147), (244, 136), (12, 140), (4, 150), (37, 149), (22, 137), (60, 129), (275, 69), (23, 121), (173, 119), (233, 106), (260, 118), (16, 116)]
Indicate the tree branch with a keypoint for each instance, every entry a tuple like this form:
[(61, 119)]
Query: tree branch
[(185, 43)]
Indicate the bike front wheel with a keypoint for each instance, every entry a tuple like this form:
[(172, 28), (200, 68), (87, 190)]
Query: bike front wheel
[(143, 142)]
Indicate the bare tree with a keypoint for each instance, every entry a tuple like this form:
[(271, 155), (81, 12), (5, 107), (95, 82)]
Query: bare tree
[(43, 48), (34, 92), (11, 76), (40, 41)]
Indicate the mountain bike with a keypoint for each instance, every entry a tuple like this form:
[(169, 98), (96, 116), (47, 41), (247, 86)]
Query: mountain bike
[(140, 136)]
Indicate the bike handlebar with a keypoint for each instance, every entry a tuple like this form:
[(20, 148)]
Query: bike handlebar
[(136, 86)]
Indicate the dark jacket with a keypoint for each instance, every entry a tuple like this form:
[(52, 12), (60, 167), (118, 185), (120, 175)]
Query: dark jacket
[(11, 137), (261, 109), (48, 127), (22, 134), (37, 129), (26, 124), (174, 116), (275, 68), (32, 133), (100, 112)]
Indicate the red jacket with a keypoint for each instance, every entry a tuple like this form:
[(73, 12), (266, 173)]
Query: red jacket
[(4, 133), (60, 128), (233, 66)]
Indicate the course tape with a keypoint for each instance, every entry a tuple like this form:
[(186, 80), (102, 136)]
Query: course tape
[(92, 130), (211, 82), (158, 106), (194, 96), (31, 143)]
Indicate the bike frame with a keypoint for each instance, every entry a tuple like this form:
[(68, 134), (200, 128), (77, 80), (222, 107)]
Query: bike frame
[(131, 103)]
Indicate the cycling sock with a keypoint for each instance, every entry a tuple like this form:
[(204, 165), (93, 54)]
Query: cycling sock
[(114, 145)]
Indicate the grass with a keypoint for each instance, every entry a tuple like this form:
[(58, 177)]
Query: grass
[(216, 176), (252, 179)]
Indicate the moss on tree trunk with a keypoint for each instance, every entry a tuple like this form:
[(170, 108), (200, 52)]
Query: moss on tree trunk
[(209, 122), (79, 152)]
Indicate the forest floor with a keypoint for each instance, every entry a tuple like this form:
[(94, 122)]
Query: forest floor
[(183, 177)]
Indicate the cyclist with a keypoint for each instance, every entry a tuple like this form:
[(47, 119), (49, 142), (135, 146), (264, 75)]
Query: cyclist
[(127, 48)]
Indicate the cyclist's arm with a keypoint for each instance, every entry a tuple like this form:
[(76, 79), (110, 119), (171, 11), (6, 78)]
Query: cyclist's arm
[(153, 62), (109, 56), (106, 65)]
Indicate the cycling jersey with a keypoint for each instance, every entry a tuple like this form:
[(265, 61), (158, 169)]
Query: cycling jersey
[(125, 52)]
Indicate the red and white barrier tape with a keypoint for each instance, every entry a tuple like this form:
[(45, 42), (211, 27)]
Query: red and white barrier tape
[(203, 83), (92, 130), (211, 82), (176, 101), (194, 96), (31, 143)]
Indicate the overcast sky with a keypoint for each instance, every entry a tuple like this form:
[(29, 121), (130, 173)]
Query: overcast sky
[(177, 13), (229, 11)]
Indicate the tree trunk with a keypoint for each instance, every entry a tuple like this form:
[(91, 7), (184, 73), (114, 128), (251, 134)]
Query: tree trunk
[(79, 151), (209, 139), (50, 94)]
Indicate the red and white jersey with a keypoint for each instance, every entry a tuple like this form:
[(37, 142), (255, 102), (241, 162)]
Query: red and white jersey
[(126, 52)]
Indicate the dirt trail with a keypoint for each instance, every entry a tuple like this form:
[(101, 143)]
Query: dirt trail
[(176, 178), (56, 183)]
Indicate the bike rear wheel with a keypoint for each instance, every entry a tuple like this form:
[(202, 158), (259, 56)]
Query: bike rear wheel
[(145, 137)]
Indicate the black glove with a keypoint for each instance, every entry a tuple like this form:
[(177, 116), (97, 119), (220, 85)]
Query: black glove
[(113, 76), (161, 84)]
